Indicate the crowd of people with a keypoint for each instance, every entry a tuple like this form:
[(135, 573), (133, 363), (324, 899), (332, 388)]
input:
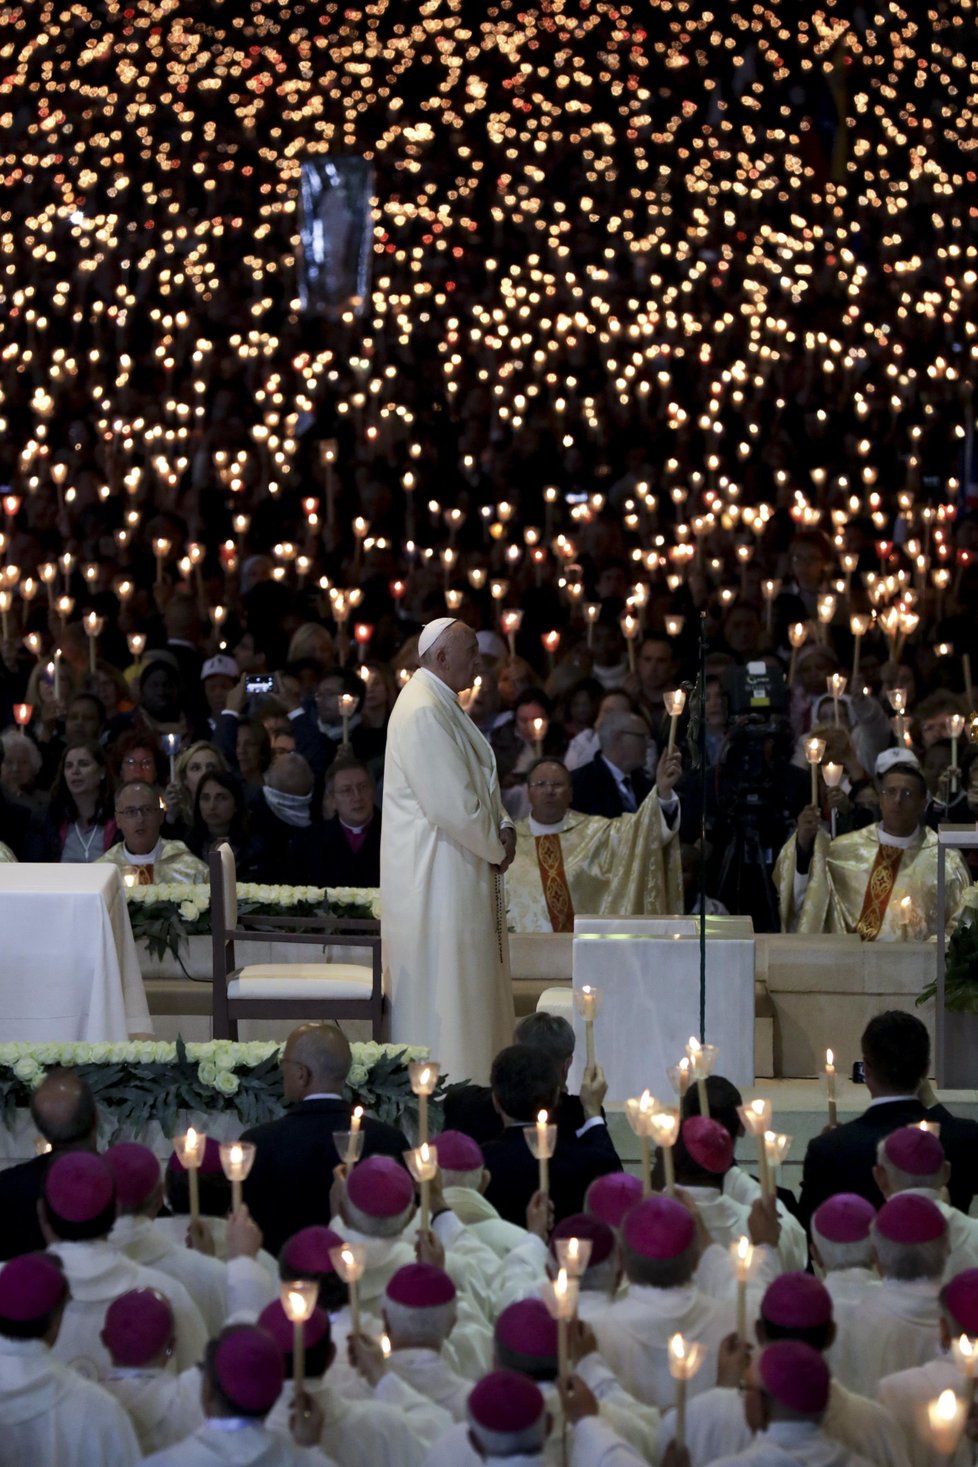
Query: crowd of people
[(130, 1330)]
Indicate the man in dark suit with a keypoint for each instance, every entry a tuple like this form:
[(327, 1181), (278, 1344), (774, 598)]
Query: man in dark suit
[(896, 1056), (289, 1184), (469, 1108), (63, 1110), (525, 1081), (615, 781), (345, 850)]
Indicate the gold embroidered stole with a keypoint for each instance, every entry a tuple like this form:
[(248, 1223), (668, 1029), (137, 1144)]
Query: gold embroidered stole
[(879, 889), (556, 892)]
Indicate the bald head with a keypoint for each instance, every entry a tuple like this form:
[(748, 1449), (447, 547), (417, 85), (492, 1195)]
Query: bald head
[(453, 657), (290, 775), (63, 1110), (316, 1060)]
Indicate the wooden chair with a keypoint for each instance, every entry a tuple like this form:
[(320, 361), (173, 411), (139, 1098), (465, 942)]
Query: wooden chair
[(316, 990)]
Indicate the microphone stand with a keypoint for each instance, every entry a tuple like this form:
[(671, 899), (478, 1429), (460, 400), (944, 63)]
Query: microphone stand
[(701, 740)]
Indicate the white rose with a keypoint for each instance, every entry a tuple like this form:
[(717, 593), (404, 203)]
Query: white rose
[(27, 1068)]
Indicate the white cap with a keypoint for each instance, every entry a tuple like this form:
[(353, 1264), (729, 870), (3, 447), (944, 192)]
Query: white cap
[(220, 666), (891, 757), (432, 631)]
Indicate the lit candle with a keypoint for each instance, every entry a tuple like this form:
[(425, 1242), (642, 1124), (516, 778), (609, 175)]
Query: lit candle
[(674, 702), (965, 1352), (702, 1058), (814, 750), (830, 1087), (685, 1358), (905, 916), (664, 1123), (22, 714), (776, 1147), (587, 1001), (797, 636), (362, 632), (298, 1299), (422, 1163), (510, 623), (955, 727), (679, 1077), (573, 1255), (93, 624), (638, 1112), (190, 1153), (741, 1256), (946, 1417), (346, 703), (560, 1297), (859, 626), (592, 610), (551, 642), (349, 1261), (356, 1120), (237, 1159), (836, 683), (630, 626), (832, 774), (171, 746), (541, 1139), (423, 1075), (756, 1117), (57, 675), (6, 601), (540, 727)]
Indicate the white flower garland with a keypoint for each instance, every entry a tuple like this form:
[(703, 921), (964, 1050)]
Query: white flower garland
[(194, 900)]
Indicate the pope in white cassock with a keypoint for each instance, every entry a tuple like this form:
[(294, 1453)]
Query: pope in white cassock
[(445, 843)]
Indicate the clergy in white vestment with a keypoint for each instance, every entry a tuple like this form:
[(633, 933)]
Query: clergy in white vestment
[(794, 1307), (48, 1413), (139, 1334), (897, 1325), (842, 1248), (446, 842), (786, 1399), (912, 1160), (241, 1379), (77, 1213), (906, 1393), (372, 1432)]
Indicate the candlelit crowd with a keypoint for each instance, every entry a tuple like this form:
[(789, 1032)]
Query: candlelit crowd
[(320, 1290)]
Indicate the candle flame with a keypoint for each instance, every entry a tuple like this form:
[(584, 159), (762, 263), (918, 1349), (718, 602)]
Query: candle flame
[(358, 1112), (560, 1284), (543, 1117), (829, 1057), (946, 1408), (237, 1154)]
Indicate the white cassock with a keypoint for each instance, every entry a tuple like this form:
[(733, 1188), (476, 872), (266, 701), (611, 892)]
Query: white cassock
[(428, 1373), (633, 1335), (893, 1328), (591, 1443), (906, 1394), (848, 1286), (740, 1186), (792, 1444), (51, 1417), (716, 1427), (239, 1443), (240, 1288), (163, 1406), (368, 1433), (99, 1272), (443, 923)]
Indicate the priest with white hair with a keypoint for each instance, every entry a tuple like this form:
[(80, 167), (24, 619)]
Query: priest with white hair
[(445, 845)]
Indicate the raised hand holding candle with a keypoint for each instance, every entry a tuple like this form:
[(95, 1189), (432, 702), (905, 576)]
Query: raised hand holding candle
[(237, 1159), (814, 750), (741, 1256), (298, 1298), (423, 1075), (190, 1153), (756, 1117), (541, 1139), (349, 1261), (674, 702), (830, 1087), (685, 1358), (587, 1002)]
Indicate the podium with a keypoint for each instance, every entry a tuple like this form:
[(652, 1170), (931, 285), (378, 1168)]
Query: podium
[(648, 971)]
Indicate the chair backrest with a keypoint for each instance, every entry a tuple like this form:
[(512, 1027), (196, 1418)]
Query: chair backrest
[(229, 885)]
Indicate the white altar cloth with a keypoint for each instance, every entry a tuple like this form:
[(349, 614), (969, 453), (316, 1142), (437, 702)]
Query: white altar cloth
[(69, 968), (648, 971)]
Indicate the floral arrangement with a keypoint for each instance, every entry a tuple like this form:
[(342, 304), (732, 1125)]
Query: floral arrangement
[(961, 960), (166, 915), (148, 1080)]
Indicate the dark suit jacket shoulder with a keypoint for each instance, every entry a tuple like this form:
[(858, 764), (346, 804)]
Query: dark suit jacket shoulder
[(20, 1188), (334, 862), (469, 1109), (595, 789), (514, 1173), (288, 1187)]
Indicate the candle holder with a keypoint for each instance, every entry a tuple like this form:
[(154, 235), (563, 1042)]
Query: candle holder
[(814, 753), (756, 1117), (298, 1298), (422, 1163), (702, 1058), (560, 1296), (136, 642), (237, 1159), (685, 1358), (587, 1003), (189, 1149), (664, 1123), (679, 1077), (423, 1075), (741, 1257), (797, 637), (776, 1148), (349, 1260), (573, 1255), (542, 1139), (675, 702), (638, 1113), (509, 624), (23, 712)]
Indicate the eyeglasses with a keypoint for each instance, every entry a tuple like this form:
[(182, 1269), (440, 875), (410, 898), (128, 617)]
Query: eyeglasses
[(134, 810), (549, 784), (900, 794), (132, 761)]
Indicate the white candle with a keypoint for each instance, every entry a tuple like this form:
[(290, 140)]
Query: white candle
[(830, 1087)]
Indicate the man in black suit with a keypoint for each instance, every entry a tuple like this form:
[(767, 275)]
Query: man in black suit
[(63, 1110), (896, 1056), (525, 1081), (289, 1184), (469, 1108), (615, 781), (346, 847)]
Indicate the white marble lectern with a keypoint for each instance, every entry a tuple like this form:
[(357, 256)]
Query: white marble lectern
[(648, 970)]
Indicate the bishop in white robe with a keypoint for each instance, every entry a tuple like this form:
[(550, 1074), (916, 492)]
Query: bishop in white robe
[(446, 841)]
